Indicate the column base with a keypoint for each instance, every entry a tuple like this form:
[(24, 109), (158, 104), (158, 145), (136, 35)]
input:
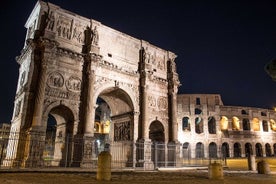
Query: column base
[(89, 159), (144, 154), (34, 147)]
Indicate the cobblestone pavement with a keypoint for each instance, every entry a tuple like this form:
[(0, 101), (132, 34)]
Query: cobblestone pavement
[(160, 177)]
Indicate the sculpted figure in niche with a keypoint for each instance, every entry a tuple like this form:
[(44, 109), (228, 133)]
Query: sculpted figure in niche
[(95, 36), (31, 29), (51, 21), (146, 56), (22, 80), (17, 109)]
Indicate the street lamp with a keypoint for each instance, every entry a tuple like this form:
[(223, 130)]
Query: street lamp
[(270, 69)]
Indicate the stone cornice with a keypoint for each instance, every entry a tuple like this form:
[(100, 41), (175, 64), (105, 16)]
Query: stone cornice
[(114, 67), (69, 53)]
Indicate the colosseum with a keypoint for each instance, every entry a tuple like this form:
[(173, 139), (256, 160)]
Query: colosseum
[(84, 88)]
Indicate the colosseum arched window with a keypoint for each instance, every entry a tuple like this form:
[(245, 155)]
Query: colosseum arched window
[(265, 126), (199, 150), (198, 111), (273, 125), (268, 150), (186, 124), (248, 149), (256, 124), (198, 125), (246, 124), (263, 113), (237, 149), (259, 150), (235, 123), (225, 150), (224, 123), (186, 150), (212, 125), (212, 150), (244, 112)]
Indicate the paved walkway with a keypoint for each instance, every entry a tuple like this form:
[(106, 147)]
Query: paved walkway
[(163, 176)]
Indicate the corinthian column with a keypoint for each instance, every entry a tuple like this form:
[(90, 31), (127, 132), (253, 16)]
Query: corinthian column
[(174, 115), (90, 108), (39, 98), (89, 153), (35, 137), (145, 132)]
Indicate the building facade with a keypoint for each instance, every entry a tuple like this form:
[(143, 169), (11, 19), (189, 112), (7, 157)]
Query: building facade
[(84, 87), (70, 63), (209, 129)]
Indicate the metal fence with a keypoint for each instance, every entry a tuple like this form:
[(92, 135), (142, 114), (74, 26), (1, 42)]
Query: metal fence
[(74, 151)]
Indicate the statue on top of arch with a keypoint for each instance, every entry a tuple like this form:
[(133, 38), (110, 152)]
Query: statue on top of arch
[(95, 36)]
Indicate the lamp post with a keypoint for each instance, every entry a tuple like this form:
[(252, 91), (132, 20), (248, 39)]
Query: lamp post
[(270, 69)]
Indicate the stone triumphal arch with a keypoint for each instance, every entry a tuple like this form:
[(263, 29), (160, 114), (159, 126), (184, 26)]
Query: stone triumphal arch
[(93, 85)]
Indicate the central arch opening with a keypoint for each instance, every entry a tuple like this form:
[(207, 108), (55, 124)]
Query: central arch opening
[(114, 124)]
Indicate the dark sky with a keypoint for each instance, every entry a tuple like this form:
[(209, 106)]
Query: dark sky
[(222, 46)]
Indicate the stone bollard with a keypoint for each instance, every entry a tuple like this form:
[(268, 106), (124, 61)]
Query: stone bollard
[(263, 167), (104, 166), (251, 161), (215, 171)]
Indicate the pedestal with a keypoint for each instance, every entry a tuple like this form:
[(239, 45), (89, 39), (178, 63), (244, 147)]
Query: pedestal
[(251, 162), (144, 154), (89, 159), (34, 147)]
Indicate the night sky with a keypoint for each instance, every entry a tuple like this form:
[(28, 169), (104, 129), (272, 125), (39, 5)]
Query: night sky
[(222, 46)]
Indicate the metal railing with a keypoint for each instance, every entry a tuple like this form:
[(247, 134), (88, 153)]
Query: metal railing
[(76, 151)]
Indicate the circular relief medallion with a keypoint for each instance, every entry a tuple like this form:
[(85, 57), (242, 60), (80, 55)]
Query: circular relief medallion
[(55, 80), (73, 84)]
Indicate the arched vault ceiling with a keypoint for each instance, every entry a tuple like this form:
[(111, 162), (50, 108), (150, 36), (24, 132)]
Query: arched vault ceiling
[(118, 101)]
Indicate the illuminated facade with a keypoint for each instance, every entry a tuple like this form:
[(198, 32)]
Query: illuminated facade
[(81, 81), (84, 86), (207, 128)]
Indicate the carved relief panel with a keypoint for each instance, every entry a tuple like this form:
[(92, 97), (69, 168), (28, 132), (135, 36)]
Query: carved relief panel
[(64, 86), (155, 58), (122, 131), (55, 80), (162, 103), (78, 32), (51, 21), (64, 27)]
